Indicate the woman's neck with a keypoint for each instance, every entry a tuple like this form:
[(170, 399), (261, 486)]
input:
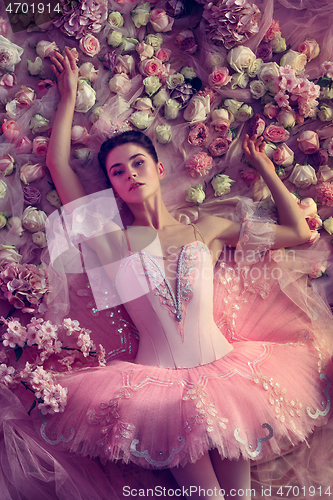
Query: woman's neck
[(153, 213)]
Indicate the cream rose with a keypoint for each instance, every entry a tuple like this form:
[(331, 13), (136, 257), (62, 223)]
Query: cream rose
[(163, 134), (40, 145), (3, 189), (303, 176), (152, 84), (143, 104), (87, 70), (14, 225), (239, 80), (240, 58), (45, 48), (120, 84), (31, 172), (325, 132), (39, 238), (10, 54), (328, 225), (325, 113), (221, 119), (278, 44), (324, 174), (254, 67), (3, 220), (221, 184), (129, 44), (89, 44), (7, 164), (35, 68), (195, 194), (171, 109), (257, 89), (85, 96), (188, 72), (286, 118), (79, 135), (8, 254), (125, 64), (82, 153), (38, 123), (310, 48), (244, 113), (232, 105), (115, 38), (161, 97), (295, 60), (53, 198), (174, 80), (144, 50), (155, 40), (197, 109), (140, 15), (33, 220), (141, 119), (116, 19), (268, 71)]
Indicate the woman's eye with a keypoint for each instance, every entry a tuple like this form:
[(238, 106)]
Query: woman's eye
[(118, 172), (138, 163)]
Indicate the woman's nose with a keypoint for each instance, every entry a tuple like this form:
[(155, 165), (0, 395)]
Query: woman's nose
[(131, 174)]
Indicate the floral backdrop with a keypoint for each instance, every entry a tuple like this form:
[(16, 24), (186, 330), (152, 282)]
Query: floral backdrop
[(195, 76)]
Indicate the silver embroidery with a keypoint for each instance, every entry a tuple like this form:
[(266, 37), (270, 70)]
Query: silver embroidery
[(319, 413), (260, 441), (156, 463), (60, 439)]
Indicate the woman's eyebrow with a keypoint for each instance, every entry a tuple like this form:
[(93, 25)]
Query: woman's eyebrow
[(131, 158)]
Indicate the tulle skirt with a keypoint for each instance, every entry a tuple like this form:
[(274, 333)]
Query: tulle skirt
[(259, 400)]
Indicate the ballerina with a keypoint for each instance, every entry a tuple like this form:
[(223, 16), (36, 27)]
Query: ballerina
[(192, 401)]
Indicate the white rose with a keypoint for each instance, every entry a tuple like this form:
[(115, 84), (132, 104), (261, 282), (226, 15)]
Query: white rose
[(87, 70), (3, 189), (325, 113), (326, 93), (254, 67), (85, 96), (195, 194), (115, 38), (171, 108), (33, 220), (270, 148), (39, 238), (53, 198), (140, 15), (141, 119), (163, 134), (239, 80), (14, 226), (152, 84), (95, 114), (79, 135), (120, 83), (155, 40), (188, 72), (279, 44), (35, 68), (268, 71), (232, 105), (38, 123), (116, 19), (286, 118), (221, 115), (197, 109), (129, 44), (82, 153), (8, 254), (45, 48), (303, 176), (244, 113), (10, 54), (161, 97), (3, 220), (257, 89), (222, 184), (328, 225), (174, 80), (295, 60), (216, 60), (240, 58), (143, 104)]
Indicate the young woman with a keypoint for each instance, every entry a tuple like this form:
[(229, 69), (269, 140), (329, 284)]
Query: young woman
[(192, 401)]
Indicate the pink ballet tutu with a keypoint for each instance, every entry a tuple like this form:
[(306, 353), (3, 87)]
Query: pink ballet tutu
[(243, 404)]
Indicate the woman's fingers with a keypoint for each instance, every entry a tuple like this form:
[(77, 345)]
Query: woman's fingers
[(71, 59)]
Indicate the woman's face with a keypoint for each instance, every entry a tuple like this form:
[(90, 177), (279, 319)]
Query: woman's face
[(133, 173)]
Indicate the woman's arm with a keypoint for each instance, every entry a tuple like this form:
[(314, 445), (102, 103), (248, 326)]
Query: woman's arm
[(67, 183), (292, 228)]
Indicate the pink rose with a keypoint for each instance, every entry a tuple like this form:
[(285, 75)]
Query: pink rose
[(150, 67), (89, 44), (160, 20), (8, 79), (125, 64), (120, 84), (308, 206), (45, 84), (271, 110), (31, 172), (314, 222), (145, 50), (199, 165), (7, 164), (324, 174), (40, 145), (317, 270), (79, 135), (275, 133), (256, 125), (25, 96), (283, 156), (3, 27), (310, 48), (46, 49), (315, 235), (219, 146), (198, 135), (87, 70), (10, 129), (219, 78), (163, 55), (250, 174), (221, 120), (308, 142), (325, 132), (24, 146)]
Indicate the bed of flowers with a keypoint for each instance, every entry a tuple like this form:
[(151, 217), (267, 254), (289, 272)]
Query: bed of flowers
[(183, 72)]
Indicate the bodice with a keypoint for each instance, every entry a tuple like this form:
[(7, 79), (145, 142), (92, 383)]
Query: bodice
[(175, 323)]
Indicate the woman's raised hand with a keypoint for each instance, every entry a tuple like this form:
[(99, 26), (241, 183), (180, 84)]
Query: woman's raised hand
[(66, 71), (254, 151)]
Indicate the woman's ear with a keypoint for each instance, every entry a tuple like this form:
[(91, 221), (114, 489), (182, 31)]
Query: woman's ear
[(161, 170)]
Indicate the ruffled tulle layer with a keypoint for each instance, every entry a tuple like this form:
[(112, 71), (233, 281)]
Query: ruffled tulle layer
[(243, 404)]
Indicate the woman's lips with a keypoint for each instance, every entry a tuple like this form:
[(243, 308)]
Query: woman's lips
[(135, 185)]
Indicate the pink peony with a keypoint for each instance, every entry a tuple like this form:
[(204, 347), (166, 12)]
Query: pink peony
[(89, 44), (275, 133), (199, 165), (308, 142), (256, 125), (219, 78), (198, 135), (325, 193), (327, 69), (272, 31), (219, 146)]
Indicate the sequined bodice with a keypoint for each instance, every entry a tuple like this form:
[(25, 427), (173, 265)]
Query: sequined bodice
[(176, 325)]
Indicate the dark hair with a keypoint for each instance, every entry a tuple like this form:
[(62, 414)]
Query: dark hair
[(124, 138)]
